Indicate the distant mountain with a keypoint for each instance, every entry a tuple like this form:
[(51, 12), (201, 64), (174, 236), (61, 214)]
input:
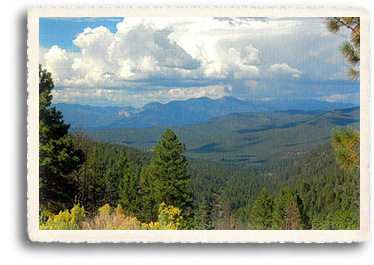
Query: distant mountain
[(306, 104), (179, 113), (255, 137), (191, 111), (91, 116)]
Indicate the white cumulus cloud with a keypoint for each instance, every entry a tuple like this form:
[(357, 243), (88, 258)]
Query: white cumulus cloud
[(144, 48), (285, 69), (177, 58), (122, 97)]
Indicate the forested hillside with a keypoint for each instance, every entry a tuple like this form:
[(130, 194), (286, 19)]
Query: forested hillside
[(328, 197), (223, 196), (254, 137)]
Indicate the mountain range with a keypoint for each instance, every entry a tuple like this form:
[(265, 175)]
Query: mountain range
[(179, 113), (254, 137)]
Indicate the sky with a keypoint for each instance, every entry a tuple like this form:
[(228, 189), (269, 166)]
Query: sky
[(135, 61)]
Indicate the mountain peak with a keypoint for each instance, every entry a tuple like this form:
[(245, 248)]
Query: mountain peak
[(229, 99), (151, 105)]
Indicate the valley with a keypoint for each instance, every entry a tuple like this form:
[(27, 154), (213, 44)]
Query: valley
[(251, 137)]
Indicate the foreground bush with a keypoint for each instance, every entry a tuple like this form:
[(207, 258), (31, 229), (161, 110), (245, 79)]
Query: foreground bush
[(169, 218), (66, 220), (109, 219)]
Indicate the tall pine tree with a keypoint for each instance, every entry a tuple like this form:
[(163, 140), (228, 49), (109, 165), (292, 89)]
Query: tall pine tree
[(346, 142), (127, 184), (261, 212), (349, 49), (58, 157), (96, 182), (289, 212), (165, 179)]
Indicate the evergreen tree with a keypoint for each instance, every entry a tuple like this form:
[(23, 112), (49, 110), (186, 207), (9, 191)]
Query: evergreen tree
[(84, 142), (293, 218), (96, 182), (289, 212), (346, 219), (165, 179), (58, 157), (127, 185), (346, 143), (349, 49), (261, 212), (149, 208), (202, 217)]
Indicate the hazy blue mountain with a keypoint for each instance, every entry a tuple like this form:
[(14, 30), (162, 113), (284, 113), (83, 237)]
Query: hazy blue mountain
[(91, 116), (191, 111), (306, 104), (255, 137)]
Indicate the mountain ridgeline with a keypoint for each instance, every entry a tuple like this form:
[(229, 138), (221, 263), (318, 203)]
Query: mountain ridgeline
[(178, 113), (267, 138)]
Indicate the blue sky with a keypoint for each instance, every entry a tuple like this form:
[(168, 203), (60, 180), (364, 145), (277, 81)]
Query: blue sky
[(134, 61), (62, 32)]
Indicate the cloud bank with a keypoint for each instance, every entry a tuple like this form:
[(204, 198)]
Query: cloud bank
[(164, 59)]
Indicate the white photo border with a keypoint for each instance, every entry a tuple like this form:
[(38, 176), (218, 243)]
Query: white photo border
[(191, 236)]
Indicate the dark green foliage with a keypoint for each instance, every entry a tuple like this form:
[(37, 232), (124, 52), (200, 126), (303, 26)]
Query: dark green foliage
[(166, 179), (316, 162), (110, 174), (315, 191), (58, 157), (346, 218), (84, 143), (127, 184), (261, 213), (325, 188), (149, 210), (96, 182), (225, 194), (202, 217), (326, 195), (346, 142), (45, 88), (289, 212), (228, 188), (206, 178), (113, 173)]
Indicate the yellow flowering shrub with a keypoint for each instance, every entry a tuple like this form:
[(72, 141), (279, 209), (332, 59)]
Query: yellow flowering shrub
[(151, 226), (66, 220), (109, 219), (105, 210), (169, 218)]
